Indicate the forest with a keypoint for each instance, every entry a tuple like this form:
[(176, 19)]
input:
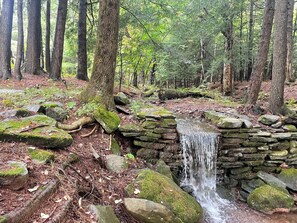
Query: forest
[(101, 103)]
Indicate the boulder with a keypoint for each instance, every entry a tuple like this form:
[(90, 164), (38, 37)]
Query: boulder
[(269, 119), (40, 156), (13, 175), (104, 214), (121, 99), (148, 211), (268, 199), (230, 123), (115, 163), (37, 130), (160, 189), (109, 120), (289, 177)]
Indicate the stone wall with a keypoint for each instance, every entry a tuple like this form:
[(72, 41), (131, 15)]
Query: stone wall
[(154, 136), (246, 149)]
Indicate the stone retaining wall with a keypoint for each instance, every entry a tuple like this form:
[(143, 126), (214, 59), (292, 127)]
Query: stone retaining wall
[(155, 137)]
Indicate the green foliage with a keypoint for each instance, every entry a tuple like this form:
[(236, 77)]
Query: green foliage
[(130, 156), (136, 106), (87, 109), (71, 104)]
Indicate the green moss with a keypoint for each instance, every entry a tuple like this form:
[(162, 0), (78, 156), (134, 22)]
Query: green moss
[(13, 169), (267, 198), (131, 128), (160, 189), (115, 147), (3, 219), (109, 120), (41, 156)]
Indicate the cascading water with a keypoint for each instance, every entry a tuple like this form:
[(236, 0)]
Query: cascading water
[(199, 148)]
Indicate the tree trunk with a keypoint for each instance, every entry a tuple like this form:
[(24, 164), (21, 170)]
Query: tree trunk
[(20, 46), (5, 40), (228, 66), (101, 85), (58, 47), (289, 72), (33, 52), (276, 100), (250, 41), (82, 66), (262, 55), (48, 36), (153, 72)]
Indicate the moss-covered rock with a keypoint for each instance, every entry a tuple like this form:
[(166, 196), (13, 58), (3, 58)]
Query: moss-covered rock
[(290, 128), (160, 189), (109, 120), (41, 156), (13, 175), (155, 112), (38, 130), (267, 199), (289, 177), (121, 99), (230, 123), (269, 119)]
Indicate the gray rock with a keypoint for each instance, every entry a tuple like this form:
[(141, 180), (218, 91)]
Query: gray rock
[(278, 155), (104, 214), (290, 128), (277, 125), (271, 180), (33, 108), (121, 99), (289, 177), (116, 163), (230, 123), (57, 113), (269, 119), (13, 175), (163, 168), (148, 211), (247, 124), (281, 136)]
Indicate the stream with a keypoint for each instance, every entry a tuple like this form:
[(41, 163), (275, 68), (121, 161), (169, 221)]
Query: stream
[(199, 145)]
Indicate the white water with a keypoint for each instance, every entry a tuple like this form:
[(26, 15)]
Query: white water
[(199, 147)]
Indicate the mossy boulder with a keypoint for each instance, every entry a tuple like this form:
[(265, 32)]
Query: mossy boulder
[(41, 156), (37, 130), (13, 175), (109, 120), (289, 177), (160, 189), (268, 199)]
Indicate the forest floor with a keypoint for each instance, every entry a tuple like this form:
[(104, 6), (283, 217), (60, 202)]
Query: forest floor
[(101, 186)]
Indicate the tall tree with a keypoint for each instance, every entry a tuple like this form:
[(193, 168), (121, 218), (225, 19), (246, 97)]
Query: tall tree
[(33, 51), (289, 72), (20, 46), (58, 47), (101, 84), (47, 36), (276, 100), (262, 55), (82, 66), (250, 40), (5, 39)]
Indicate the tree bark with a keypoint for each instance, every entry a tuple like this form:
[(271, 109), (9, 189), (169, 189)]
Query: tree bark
[(48, 36), (5, 39), (276, 100), (82, 66), (20, 46), (58, 47), (262, 55), (101, 85), (33, 52), (289, 72), (250, 41)]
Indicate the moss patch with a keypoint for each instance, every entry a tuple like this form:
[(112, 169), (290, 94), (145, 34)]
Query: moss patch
[(3, 219), (115, 147), (160, 189), (267, 198), (13, 169), (41, 156)]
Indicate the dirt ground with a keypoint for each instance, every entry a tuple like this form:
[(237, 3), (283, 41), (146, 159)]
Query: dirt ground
[(101, 186)]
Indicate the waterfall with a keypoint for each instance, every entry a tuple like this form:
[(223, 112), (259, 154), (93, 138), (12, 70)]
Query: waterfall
[(199, 149)]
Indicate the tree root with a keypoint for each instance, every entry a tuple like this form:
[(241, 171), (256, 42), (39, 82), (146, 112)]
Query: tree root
[(76, 125)]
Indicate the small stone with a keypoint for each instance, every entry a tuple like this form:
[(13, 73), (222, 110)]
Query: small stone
[(116, 163), (121, 99), (269, 119), (290, 128), (40, 156), (277, 125), (104, 214)]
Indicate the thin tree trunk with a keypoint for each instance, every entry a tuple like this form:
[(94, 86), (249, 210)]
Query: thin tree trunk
[(32, 64), (5, 39), (17, 67), (250, 41), (276, 100), (48, 36), (241, 71), (57, 54), (262, 55), (101, 84), (289, 72), (82, 66)]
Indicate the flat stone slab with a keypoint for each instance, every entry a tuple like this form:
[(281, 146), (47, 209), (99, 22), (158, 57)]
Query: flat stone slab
[(271, 180), (269, 119), (37, 130)]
